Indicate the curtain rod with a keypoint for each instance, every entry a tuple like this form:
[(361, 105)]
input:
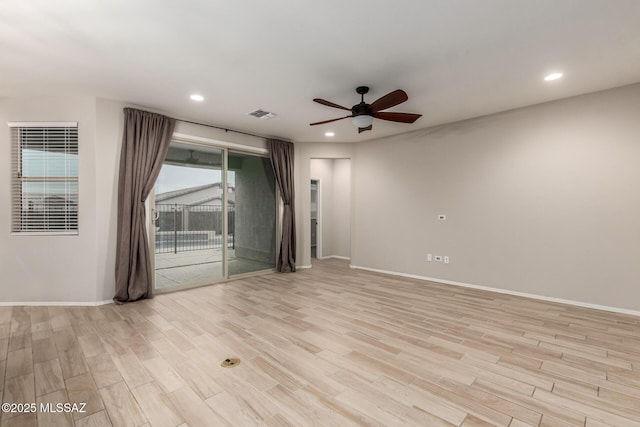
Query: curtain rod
[(221, 128)]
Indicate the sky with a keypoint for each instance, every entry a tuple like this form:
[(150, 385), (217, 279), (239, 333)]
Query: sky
[(42, 163), (48, 163), (178, 177)]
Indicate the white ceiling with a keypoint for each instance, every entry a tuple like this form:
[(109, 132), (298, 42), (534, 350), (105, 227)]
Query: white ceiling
[(455, 58)]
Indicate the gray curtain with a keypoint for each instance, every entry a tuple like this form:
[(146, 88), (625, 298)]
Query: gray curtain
[(145, 143), (281, 154)]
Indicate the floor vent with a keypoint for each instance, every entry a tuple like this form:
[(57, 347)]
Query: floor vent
[(230, 363)]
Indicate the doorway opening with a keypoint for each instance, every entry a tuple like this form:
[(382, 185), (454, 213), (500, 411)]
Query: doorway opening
[(330, 208), (315, 211)]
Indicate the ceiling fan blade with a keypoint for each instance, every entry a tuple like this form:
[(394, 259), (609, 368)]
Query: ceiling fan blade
[(328, 121), (397, 117), (330, 104), (389, 100), (360, 130)]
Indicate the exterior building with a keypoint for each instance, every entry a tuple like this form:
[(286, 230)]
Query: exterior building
[(194, 213)]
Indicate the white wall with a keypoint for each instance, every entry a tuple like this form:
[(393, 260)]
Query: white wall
[(341, 214), (542, 200), (50, 268), (109, 127)]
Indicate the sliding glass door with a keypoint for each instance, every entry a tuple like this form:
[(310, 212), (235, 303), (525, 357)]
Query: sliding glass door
[(214, 216), (189, 217), (253, 221)]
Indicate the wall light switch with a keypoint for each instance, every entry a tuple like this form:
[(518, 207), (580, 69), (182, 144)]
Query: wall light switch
[(446, 260), (429, 257)]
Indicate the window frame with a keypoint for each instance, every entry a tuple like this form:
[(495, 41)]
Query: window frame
[(45, 225)]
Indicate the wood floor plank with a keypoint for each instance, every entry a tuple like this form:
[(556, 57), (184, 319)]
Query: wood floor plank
[(24, 420), (131, 369), (83, 390), (195, 411), (48, 377), (365, 400), (345, 411), (44, 349), (103, 370), (164, 374), (20, 321), (3, 364), (121, 406), (72, 361), (91, 345), (297, 410), (4, 348), (54, 418), (19, 362), (19, 342), (423, 399), (156, 406), (236, 410), (547, 409), (99, 419), (279, 375), (456, 395), (593, 412), (19, 389)]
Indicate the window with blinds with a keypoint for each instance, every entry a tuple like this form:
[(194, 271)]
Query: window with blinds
[(44, 187)]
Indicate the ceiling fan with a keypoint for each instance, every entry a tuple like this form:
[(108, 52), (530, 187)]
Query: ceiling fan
[(362, 114), (191, 159)]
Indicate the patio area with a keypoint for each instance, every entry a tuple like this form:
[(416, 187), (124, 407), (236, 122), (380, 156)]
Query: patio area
[(199, 267)]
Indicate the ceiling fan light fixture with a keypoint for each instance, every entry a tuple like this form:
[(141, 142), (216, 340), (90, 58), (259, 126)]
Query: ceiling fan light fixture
[(362, 121)]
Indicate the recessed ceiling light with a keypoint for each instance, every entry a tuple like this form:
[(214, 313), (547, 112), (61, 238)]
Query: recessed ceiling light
[(553, 76), (196, 97), (329, 134)]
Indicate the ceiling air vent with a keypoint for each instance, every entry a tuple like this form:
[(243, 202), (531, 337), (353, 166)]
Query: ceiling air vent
[(261, 114)]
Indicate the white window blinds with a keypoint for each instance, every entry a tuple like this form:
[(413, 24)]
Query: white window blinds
[(44, 187)]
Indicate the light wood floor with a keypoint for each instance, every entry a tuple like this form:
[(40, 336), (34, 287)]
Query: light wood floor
[(328, 346)]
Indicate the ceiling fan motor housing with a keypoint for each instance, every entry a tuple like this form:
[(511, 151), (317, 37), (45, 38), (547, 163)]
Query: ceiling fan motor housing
[(361, 109)]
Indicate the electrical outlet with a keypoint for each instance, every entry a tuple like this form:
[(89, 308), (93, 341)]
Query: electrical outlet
[(438, 258), (446, 259), (429, 257)]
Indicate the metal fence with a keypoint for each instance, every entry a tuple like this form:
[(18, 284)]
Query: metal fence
[(182, 228)]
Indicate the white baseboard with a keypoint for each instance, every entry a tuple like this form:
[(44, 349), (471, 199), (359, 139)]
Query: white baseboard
[(55, 303), (302, 266), (503, 291), (336, 257)]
